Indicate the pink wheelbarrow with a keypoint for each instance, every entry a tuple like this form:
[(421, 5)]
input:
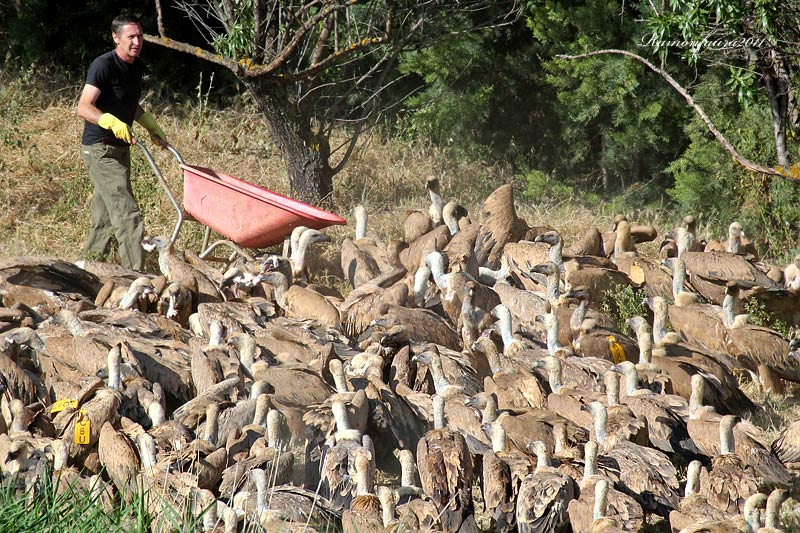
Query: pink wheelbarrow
[(246, 215)]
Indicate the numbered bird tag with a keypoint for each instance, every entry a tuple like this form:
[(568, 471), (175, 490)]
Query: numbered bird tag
[(60, 405), (617, 351), (83, 429)]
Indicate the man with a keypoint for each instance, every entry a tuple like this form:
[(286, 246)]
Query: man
[(109, 104)]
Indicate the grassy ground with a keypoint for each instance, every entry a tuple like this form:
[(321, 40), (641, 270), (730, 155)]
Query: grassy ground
[(45, 194)]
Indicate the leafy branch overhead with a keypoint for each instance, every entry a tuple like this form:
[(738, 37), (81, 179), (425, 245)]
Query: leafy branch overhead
[(312, 65), (792, 172), (298, 40)]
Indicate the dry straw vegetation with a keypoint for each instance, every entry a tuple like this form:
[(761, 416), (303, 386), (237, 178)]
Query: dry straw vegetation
[(45, 194)]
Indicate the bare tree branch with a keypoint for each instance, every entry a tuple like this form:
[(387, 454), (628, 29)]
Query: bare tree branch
[(160, 19), (793, 172), (196, 51)]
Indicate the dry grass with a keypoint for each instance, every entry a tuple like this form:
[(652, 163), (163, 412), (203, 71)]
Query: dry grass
[(45, 190)]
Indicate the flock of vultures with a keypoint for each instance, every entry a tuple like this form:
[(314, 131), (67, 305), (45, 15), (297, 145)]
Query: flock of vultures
[(469, 381)]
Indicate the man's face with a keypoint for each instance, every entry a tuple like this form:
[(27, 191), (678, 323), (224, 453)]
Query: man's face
[(129, 41)]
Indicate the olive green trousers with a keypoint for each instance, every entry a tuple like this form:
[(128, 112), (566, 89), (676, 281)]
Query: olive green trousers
[(114, 209)]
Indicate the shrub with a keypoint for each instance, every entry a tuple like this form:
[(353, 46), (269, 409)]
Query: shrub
[(622, 302)]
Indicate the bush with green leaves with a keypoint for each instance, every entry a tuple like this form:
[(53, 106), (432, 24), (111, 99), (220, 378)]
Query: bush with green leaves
[(622, 302)]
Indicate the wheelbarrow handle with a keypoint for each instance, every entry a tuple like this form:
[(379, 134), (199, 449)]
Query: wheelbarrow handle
[(168, 146), (163, 182)]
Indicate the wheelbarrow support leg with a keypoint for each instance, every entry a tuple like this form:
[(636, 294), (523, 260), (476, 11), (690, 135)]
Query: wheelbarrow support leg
[(164, 186), (230, 245)]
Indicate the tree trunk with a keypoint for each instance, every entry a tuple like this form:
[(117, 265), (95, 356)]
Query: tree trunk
[(305, 153), (778, 91)]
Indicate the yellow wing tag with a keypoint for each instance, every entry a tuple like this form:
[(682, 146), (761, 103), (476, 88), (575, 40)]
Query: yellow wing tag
[(83, 432), (60, 405), (637, 273), (617, 351)]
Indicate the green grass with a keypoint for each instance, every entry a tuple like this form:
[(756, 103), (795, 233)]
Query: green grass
[(54, 505)]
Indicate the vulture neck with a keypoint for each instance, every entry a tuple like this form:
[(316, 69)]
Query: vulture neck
[(60, 454), (147, 450), (772, 515), (659, 319), (752, 511), (363, 482), (436, 207), (19, 422), (262, 408), (684, 240), (212, 423), (339, 410), (612, 388), (435, 262), (645, 341), (698, 385), (498, 438), (554, 374), (678, 277), (294, 242), (553, 291), (589, 460), (728, 303), (631, 379), (279, 283), (578, 315), (489, 349), (215, 333), (421, 284), (156, 413), (259, 478), (247, 350), (438, 412), (622, 242), (339, 379), (559, 438), (361, 222), (450, 218), (440, 382), (489, 413), (387, 505), (600, 499), (726, 441), (504, 326), (552, 335), (600, 416), (114, 364), (273, 428), (131, 296), (407, 469), (692, 478), (734, 242), (542, 458), (554, 254)]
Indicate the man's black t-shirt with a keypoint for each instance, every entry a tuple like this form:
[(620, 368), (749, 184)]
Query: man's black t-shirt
[(120, 88)]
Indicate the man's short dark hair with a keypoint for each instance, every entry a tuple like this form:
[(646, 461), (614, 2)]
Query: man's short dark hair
[(123, 20)]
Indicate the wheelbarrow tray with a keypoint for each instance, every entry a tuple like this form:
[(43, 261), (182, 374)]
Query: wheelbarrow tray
[(249, 215)]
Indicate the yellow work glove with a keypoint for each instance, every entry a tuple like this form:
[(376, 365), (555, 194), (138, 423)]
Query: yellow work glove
[(149, 122), (120, 130)]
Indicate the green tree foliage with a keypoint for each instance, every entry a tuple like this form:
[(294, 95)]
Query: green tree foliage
[(755, 41), (484, 94), (596, 124), (709, 184)]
